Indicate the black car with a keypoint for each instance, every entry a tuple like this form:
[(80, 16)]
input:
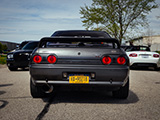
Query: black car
[(20, 58), (71, 62)]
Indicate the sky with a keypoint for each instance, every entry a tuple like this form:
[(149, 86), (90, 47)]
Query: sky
[(33, 19)]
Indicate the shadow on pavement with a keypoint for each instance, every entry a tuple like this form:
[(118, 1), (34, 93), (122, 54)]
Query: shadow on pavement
[(3, 103), (83, 97), (4, 85), (145, 69), (89, 97), (19, 69)]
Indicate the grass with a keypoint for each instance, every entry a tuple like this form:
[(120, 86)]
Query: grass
[(3, 59)]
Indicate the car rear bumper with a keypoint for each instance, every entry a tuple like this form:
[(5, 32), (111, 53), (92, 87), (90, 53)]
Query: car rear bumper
[(144, 62), (104, 75), (144, 65)]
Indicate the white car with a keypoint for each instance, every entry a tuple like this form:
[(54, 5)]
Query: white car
[(141, 56)]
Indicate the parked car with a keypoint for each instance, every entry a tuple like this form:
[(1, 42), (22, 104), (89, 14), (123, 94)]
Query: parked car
[(61, 62), (141, 56), (81, 33), (20, 58)]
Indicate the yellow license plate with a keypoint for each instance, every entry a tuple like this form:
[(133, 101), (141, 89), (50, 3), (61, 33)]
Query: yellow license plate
[(78, 79)]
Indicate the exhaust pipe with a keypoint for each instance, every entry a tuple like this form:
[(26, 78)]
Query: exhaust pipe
[(48, 88)]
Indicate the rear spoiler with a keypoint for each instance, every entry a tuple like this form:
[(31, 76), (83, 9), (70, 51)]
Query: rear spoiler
[(44, 40)]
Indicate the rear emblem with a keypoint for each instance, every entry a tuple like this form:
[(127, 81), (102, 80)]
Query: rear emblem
[(113, 51)]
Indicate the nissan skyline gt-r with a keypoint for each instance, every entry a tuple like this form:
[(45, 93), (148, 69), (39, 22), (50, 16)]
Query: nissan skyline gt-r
[(141, 56), (20, 58), (79, 63)]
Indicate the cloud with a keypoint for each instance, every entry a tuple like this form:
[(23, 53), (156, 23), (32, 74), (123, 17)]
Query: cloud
[(33, 19), (26, 19), (154, 22)]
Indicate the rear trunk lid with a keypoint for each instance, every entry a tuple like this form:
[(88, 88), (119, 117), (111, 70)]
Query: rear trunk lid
[(81, 56)]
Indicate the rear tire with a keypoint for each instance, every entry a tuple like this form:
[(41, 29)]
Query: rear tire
[(123, 92), (36, 91)]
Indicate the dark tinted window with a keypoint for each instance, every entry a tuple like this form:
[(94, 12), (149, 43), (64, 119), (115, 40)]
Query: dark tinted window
[(138, 48), (30, 46), (23, 44)]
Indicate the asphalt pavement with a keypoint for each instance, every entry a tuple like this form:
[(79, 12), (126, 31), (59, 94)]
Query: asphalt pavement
[(16, 102)]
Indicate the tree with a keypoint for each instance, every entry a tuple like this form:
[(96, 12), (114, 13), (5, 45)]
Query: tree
[(1, 47), (117, 17), (4, 47)]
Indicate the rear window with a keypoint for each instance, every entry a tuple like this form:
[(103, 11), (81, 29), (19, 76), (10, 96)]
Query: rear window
[(81, 44), (82, 34), (138, 48)]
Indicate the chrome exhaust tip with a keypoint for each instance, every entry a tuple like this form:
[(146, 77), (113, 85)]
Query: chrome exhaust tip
[(48, 88)]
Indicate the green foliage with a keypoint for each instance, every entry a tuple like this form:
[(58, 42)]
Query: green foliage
[(158, 52), (116, 16), (3, 47)]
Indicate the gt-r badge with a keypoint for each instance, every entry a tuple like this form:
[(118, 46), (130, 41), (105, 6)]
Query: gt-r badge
[(113, 51)]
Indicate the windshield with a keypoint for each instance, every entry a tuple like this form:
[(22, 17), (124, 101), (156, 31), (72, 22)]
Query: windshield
[(30, 46), (23, 44)]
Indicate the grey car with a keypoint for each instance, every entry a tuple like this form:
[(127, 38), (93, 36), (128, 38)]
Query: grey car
[(66, 62)]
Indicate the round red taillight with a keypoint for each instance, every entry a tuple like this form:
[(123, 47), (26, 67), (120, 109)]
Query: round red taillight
[(37, 58), (121, 60), (156, 55), (106, 60), (133, 55), (51, 59)]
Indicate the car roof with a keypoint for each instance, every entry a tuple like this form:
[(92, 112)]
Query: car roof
[(81, 33)]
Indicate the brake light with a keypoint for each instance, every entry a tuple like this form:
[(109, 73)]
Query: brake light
[(37, 58), (121, 60), (133, 55), (51, 59), (106, 60), (156, 55)]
